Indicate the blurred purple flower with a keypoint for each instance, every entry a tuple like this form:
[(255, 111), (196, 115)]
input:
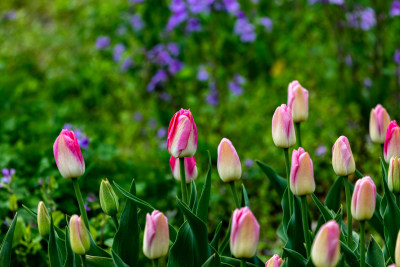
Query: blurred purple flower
[(6, 223), (367, 82), (175, 66), (175, 19), (235, 88), (165, 96), (395, 9), (83, 140), (336, 2), (193, 25), (126, 64), (177, 5), (321, 150), (160, 76), (173, 48), (245, 30), (396, 56), (202, 74), (266, 23), (137, 23), (248, 163), (67, 126), (239, 79), (213, 97), (10, 15), (152, 123), (138, 116), (7, 175), (91, 198), (232, 6), (118, 51), (362, 18), (87, 208), (199, 6), (102, 42), (348, 60), (161, 133)]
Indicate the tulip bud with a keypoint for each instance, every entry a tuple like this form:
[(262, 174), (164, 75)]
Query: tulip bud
[(342, 157), (182, 135), (302, 173), (229, 168), (325, 249), (298, 101), (156, 235), (364, 199), (108, 199), (397, 250), (190, 169), (378, 122), (394, 175), (245, 232), (283, 128), (79, 236), (274, 261), (392, 141), (68, 155), (43, 220)]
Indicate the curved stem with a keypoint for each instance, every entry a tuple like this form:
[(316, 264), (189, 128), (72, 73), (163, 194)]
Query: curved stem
[(115, 219), (298, 133), (290, 194), (234, 193), (348, 205), (80, 202), (83, 260), (362, 244), (183, 180), (304, 215)]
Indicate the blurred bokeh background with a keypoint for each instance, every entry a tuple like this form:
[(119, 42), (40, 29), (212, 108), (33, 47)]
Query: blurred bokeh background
[(116, 72)]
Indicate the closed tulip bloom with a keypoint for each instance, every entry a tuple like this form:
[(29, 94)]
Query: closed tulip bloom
[(301, 173), (182, 135), (79, 236), (283, 128), (229, 167), (342, 157), (68, 155), (274, 261), (394, 175), (325, 249), (108, 199), (298, 101), (43, 220), (397, 250), (378, 122), (245, 232), (364, 199), (190, 169), (392, 141), (156, 235)]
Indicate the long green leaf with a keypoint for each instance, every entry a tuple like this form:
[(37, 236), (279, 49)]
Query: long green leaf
[(375, 254), (224, 248), (204, 201), (332, 200), (296, 257), (294, 232), (118, 261), (245, 198), (96, 261), (212, 261), (6, 246), (351, 258), (235, 262), (193, 197), (54, 252), (277, 182), (214, 242)]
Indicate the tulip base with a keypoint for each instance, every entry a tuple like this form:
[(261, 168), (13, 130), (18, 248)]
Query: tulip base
[(183, 180), (304, 215), (234, 193), (290, 194), (80, 202), (349, 217), (362, 244)]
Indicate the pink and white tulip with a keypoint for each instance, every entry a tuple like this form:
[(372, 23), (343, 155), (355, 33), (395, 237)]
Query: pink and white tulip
[(245, 232), (190, 169), (156, 235), (301, 173), (68, 155), (229, 167), (342, 157), (182, 135), (78, 235), (364, 199), (397, 250), (394, 175), (392, 141), (283, 128), (378, 122), (325, 249), (274, 261), (298, 101)]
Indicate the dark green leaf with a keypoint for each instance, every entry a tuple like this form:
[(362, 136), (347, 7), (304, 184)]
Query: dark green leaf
[(96, 261), (6, 246), (213, 261), (375, 254), (193, 197), (202, 209), (245, 198), (295, 231), (54, 252), (297, 258), (351, 258), (95, 250), (332, 200), (214, 242), (359, 174), (118, 261), (286, 212), (224, 248), (277, 182), (30, 212), (235, 262), (326, 213)]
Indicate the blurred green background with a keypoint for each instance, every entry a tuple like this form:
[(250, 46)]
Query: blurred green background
[(118, 70)]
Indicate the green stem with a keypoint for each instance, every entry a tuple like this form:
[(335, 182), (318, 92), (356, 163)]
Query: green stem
[(242, 263), (398, 200), (83, 260), (290, 194), (80, 202), (304, 215), (383, 151), (362, 244), (234, 193), (349, 218), (154, 262), (183, 180), (115, 219), (298, 133)]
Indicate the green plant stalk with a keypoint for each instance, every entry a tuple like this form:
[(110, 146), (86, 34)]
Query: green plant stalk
[(234, 193), (398, 200), (298, 133), (304, 215), (80, 202), (383, 151), (348, 205), (115, 219), (290, 194), (154, 262), (183, 180), (83, 260), (362, 244), (242, 263)]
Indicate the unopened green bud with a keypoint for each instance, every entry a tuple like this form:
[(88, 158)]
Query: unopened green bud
[(108, 198), (79, 236), (43, 220)]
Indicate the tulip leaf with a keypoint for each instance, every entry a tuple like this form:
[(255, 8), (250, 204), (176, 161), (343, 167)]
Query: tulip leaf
[(6, 246), (285, 211), (277, 182), (126, 240), (118, 261), (96, 250), (214, 242), (296, 257), (54, 252), (202, 209), (294, 231), (359, 174), (235, 262), (193, 197), (213, 261), (96, 261), (332, 200), (351, 258), (223, 248), (326, 213), (245, 197), (375, 254)]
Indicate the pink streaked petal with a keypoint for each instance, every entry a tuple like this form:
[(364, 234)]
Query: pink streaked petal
[(345, 149), (190, 164), (150, 230), (389, 132), (333, 239)]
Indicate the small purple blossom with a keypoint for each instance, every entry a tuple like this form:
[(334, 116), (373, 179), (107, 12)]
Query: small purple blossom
[(348, 60), (193, 25), (336, 2), (173, 49), (245, 30), (126, 64), (102, 42), (213, 97), (175, 66), (362, 18), (232, 6), (118, 51), (396, 56), (138, 116), (10, 15), (367, 82), (235, 85), (266, 23), (164, 96), (202, 74), (137, 23), (87, 208), (200, 6), (152, 123), (68, 126), (321, 150), (83, 140), (161, 133), (248, 163), (6, 223), (91, 198), (159, 77), (395, 9), (7, 175)]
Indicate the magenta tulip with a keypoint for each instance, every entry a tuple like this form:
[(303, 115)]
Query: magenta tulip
[(283, 128), (190, 169), (364, 199), (392, 142), (182, 135)]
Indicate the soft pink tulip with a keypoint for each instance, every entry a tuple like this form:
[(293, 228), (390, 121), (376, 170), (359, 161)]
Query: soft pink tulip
[(182, 135), (397, 250), (274, 261), (342, 157), (298, 101), (378, 122), (364, 199), (283, 128), (68, 155), (325, 249), (301, 173), (229, 167), (245, 232), (394, 175), (156, 235), (392, 141), (190, 169)]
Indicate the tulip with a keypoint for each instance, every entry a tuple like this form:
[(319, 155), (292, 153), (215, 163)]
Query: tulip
[(274, 261), (325, 250), (301, 173), (229, 168), (397, 250), (182, 135), (392, 141), (283, 128), (156, 235), (342, 157), (298, 101), (363, 200), (79, 236), (378, 122), (245, 232), (108, 199), (394, 175), (43, 220), (190, 169), (68, 155)]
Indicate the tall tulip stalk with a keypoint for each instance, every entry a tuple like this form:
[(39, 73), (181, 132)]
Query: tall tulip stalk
[(298, 103)]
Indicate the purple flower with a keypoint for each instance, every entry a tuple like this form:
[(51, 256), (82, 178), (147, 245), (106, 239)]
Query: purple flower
[(174, 66), (176, 18), (164, 96), (91, 197), (396, 56), (84, 142), (266, 23), (102, 42), (137, 22), (161, 133), (160, 76), (87, 208), (245, 30), (10, 15), (348, 60), (117, 53), (232, 6), (248, 163), (173, 48), (362, 18), (336, 2), (202, 74), (152, 123), (126, 64), (138, 116), (67, 126), (193, 25), (177, 5), (6, 223), (395, 9), (7, 175), (212, 98), (367, 82), (239, 79), (321, 150), (199, 6), (235, 88)]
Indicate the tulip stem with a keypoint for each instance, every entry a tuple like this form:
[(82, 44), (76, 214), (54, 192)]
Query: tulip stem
[(362, 244), (234, 193), (83, 259), (80, 202), (242, 263), (290, 194), (154, 263), (304, 215), (298, 133), (115, 219), (349, 218), (382, 151), (183, 180), (398, 200)]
